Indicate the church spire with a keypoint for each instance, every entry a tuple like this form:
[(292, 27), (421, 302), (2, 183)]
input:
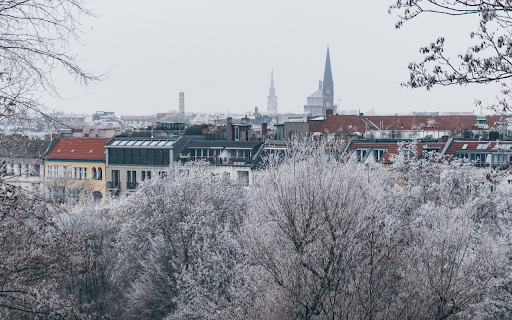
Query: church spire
[(272, 98), (328, 84)]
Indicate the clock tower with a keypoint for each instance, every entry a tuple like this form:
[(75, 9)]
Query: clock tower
[(328, 85)]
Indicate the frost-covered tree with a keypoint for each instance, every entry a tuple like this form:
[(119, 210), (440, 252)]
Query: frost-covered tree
[(36, 255), (321, 236), (179, 250)]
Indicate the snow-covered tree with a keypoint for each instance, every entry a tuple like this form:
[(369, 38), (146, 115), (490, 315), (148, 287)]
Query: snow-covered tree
[(179, 250), (36, 255)]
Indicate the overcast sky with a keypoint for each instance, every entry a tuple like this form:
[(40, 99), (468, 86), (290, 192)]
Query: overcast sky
[(221, 53)]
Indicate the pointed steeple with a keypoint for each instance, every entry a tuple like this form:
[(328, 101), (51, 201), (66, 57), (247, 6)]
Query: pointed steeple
[(328, 72), (272, 98), (328, 84)]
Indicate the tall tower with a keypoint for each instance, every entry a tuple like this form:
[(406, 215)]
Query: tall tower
[(182, 102), (272, 98), (328, 85)]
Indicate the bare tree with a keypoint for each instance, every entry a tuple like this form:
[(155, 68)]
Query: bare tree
[(488, 60), (34, 42)]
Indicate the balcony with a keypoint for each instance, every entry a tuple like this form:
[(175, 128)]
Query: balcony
[(131, 185), (113, 184)]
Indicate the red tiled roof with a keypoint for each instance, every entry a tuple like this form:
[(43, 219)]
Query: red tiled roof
[(472, 146), (455, 123), (391, 148), (337, 124), (352, 123), (78, 149)]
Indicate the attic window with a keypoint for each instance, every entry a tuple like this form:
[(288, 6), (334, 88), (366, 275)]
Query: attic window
[(482, 146), (90, 151), (72, 150), (464, 146)]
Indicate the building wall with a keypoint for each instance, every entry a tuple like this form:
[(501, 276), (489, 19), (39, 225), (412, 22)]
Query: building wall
[(24, 174), (123, 172), (89, 183), (123, 175)]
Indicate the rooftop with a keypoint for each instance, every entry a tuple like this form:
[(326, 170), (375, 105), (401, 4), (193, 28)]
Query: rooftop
[(78, 149)]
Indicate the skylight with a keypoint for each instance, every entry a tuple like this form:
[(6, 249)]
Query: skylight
[(465, 146)]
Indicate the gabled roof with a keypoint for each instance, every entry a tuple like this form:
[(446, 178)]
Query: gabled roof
[(24, 148), (78, 149)]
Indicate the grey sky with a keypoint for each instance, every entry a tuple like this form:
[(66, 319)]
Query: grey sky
[(221, 53)]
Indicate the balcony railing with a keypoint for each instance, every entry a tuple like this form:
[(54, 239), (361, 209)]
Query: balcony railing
[(113, 184), (131, 185)]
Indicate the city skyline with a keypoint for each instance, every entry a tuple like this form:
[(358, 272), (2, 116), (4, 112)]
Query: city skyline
[(223, 56)]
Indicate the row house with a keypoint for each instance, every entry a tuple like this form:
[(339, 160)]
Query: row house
[(74, 166), (235, 158), (23, 163), (134, 159), (484, 154)]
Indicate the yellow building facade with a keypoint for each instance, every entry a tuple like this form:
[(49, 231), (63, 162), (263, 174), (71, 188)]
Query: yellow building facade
[(73, 168)]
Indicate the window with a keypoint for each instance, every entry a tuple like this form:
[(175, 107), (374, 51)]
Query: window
[(52, 170), (464, 146), (80, 173), (139, 156), (131, 179), (377, 154), (36, 169), (146, 175), (99, 174), (93, 173), (65, 171)]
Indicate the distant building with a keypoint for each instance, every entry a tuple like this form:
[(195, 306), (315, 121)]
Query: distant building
[(322, 99), (315, 104), (182, 102), (137, 121), (272, 98)]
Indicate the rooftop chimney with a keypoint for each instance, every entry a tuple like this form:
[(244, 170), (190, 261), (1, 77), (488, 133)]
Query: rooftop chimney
[(264, 130), (328, 113)]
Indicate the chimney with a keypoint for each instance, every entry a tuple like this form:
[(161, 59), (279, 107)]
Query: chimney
[(328, 113), (245, 120), (264, 130), (320, 86), (229, 125)]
